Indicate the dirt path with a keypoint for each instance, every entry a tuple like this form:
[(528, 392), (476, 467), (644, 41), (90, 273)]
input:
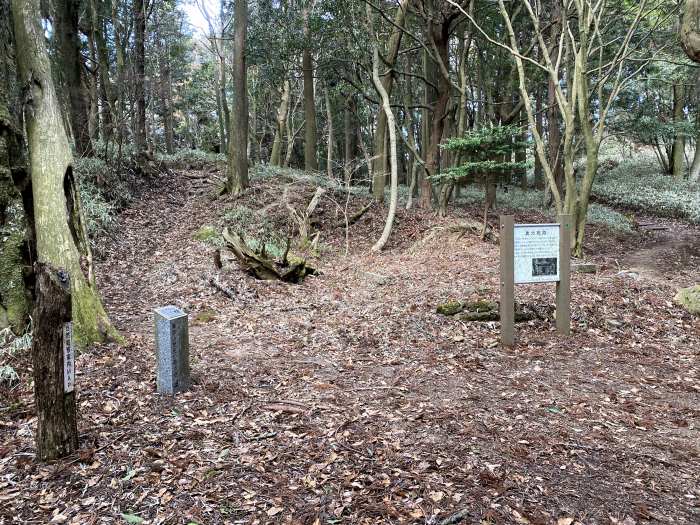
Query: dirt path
[(347, 399), (672, 257)]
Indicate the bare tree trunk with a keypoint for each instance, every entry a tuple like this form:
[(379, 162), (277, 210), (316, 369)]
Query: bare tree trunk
[(329, 119), (107, 93), (57, 427), (61, 236), (694, 174), (429, 101), (538, 172), (139, 9), (307, 65), (66, 27), (521, 155), (276, 156), (15, 182), (226, 113), (678, 150), (348, 139), (166, 97), (92, 83), (386, 107), (553, 115), (237, 172), (440, 36), (380, 134), (310, 132)]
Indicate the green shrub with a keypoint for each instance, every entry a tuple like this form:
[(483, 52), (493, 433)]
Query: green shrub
[(102, 193), (195, 157)]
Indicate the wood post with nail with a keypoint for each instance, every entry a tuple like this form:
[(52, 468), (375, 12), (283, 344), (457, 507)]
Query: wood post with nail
[(564, 284), (507, 307)]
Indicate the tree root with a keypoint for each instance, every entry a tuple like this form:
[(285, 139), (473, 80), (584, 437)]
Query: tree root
[(260, 266)]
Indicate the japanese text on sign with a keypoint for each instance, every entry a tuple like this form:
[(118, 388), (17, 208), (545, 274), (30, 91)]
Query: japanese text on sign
[(536, 250), (68, 359)]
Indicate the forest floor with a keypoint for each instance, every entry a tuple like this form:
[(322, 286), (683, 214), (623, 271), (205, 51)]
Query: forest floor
[(348, 399)]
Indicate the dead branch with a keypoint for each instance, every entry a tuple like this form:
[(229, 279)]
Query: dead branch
[(354, 217)]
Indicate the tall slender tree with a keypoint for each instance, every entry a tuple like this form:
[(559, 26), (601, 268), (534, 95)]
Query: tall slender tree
[(67, 13), (237, 171)]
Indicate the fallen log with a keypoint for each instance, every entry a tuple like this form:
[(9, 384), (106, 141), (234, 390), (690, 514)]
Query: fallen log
[(260, 266)]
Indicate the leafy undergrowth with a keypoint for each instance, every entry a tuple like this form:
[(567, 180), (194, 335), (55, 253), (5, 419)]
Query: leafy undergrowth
[(348, 399), (528, 200), (637, 185)]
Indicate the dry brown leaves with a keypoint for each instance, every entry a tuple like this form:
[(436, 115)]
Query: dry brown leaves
[(349, 400)]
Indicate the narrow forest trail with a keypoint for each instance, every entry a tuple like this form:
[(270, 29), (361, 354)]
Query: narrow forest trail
[(347, 399), (672, 257)]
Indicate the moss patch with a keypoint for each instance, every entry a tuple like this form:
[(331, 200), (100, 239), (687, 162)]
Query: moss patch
[(689, 298), (205, 316), (12, 296), (210, 235), (450, 307), (4, 322)]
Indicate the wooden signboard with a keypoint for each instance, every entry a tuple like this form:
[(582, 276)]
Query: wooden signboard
[(534, 253)]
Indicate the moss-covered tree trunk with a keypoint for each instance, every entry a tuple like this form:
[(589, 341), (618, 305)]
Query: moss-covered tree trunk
[(16, 233), (60, 233), (690, 29)]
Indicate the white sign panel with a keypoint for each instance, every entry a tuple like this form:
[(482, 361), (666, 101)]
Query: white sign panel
[(536, 253), (68, 359)]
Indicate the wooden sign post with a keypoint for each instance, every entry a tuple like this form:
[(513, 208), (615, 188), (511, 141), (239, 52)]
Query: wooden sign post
[(535, 253), (507, 281), (564, 283)]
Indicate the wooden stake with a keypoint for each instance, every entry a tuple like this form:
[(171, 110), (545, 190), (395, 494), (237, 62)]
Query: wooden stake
[(57, 429), (563, 286), (507, 281)]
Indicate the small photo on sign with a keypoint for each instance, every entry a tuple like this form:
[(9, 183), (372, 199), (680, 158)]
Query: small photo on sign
[(544, 266)]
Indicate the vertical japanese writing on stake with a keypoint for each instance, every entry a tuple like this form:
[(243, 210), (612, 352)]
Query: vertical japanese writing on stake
[(68, 358)]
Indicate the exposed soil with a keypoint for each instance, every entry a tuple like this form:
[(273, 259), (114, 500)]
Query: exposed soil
[(672, 256), (347, 399)]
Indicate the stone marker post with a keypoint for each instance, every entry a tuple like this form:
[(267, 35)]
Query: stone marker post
[(172, 350)]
